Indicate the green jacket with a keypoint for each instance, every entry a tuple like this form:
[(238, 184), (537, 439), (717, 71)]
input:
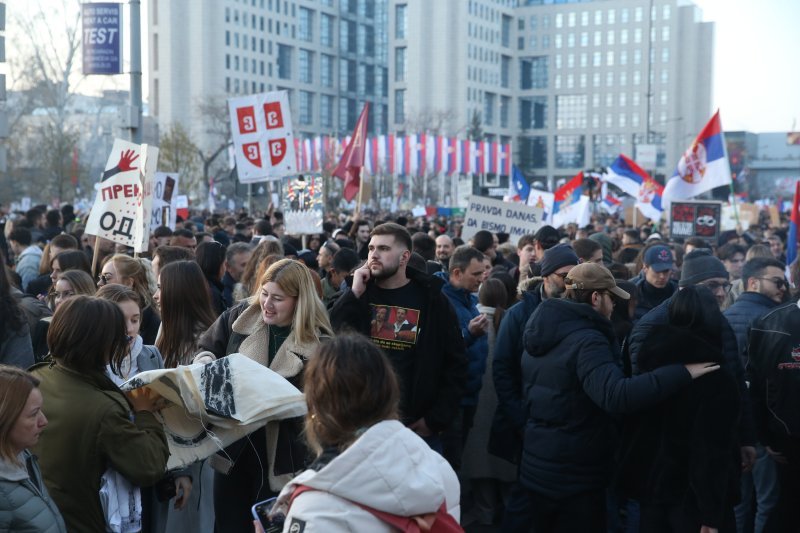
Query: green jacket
[(91, 428)]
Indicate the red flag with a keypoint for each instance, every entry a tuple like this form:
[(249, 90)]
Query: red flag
[(349, 167)]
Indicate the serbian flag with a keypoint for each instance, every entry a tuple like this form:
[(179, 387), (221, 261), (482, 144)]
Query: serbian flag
[(505, 159), (611, 203), (704, 165), (626, 175), (570, 204), (649, 200), (438, 154), (349, 167), (466, 158), (452, 155), (794, 223)]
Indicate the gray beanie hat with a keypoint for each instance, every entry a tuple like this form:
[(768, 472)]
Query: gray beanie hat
[(556, 257), (700, 265)]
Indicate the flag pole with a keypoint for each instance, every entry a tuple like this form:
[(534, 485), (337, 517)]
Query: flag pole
[(735, 208), (360, 193)]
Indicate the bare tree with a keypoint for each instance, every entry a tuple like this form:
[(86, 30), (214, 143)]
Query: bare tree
[(216, 135), (177, 153)]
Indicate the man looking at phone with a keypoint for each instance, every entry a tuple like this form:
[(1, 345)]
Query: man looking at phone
[(431, 365), (466, 272)]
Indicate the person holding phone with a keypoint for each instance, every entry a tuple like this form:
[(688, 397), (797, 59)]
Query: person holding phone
[(371, 472)]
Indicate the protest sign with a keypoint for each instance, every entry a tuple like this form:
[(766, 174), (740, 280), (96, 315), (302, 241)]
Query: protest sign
[(165, 194), (182, 206), (118, 210), (303, 205), (543, 199), (500, 217), (261, 125), (695, 219)]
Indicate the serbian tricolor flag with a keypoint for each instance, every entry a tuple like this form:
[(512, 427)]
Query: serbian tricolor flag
[(493, 158), (650, 198), (704, 165), (570, 204), (438, 154), (625, 175), (349, 167), (452, 155), (481, 157), (794, 223), (505, 160), (466, 156), (422, 154)]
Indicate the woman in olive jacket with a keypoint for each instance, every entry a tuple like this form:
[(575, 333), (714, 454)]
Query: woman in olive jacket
[(93, 425)]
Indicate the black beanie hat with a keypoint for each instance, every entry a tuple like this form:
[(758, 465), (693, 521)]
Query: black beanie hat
[(558, 256), (699, 265)]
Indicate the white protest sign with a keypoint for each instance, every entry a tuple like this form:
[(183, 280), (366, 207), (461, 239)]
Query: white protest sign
[(119, 196), (182, 206), (165, 192), (25, 204), (419, 211), (149, 164), (262, 136), (302, 205), (543, 199), (500, 217)]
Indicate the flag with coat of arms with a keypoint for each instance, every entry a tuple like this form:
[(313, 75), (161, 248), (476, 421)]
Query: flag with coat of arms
[(518, 187), (704, 165)]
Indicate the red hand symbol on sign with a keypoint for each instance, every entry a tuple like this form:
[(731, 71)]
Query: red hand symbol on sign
[(277, 151), (253, 153), (247, 119), (273, 115)]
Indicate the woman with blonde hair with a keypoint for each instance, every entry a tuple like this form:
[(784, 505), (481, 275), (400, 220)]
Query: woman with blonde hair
[(281, 328), (134, 274), (68, 284), (25, 504)]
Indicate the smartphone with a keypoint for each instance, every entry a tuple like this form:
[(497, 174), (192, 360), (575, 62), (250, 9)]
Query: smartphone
[(261, 512)]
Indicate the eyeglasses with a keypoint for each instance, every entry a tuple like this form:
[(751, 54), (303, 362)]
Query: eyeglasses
[(780, 283), (714, 285)]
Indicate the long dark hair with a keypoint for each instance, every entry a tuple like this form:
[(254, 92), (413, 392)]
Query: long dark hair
[(696, 308), (12, 317), (185, 311), (210, 256)]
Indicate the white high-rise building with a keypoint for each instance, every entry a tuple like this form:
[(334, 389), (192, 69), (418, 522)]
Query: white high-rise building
[(572, 83)]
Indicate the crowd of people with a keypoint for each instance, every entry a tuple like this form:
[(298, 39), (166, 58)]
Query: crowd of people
[(580, 379)]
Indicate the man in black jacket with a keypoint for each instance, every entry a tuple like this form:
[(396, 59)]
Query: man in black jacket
[(765, 288), (429, 358), (573, 385), (656, 283)]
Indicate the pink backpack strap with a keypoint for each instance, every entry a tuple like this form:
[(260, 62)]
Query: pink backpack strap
[(439, 522)]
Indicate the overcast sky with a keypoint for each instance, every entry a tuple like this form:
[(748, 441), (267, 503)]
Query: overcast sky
[(756, 62)]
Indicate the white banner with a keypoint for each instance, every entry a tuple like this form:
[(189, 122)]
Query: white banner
[(303, 205), (118, 210), (165, 193), (262, 136), (545, 200), (500, 217)]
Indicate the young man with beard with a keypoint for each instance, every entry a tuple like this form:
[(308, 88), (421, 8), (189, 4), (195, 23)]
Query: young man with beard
[(431, 364)]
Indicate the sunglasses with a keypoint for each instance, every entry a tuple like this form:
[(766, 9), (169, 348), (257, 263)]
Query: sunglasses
[(714, 285), (780, 283)]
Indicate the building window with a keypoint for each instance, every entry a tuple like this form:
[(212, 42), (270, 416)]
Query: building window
[(637, 35), (400, 21), (623, 15), (571, 19), (571, 111), (635, 120), (533, 113), (596, 79), (637, 14), (635, 98), (610, 58), (545, 42), (326, 111), (571, 40), (609, 79), (505, 109), (558, 39), (534, 72), (584, 38), (306, 25), (585, 18), (559, 20), (306, 59), (623, 36), (505, 32), (663, 97), (326, 70), (623, 78), (598, 38), (558, 61), (570, 151), (505, 68), (665, 55), (610, 38), (557, 82), (488, 108), (583, 80), (598, 18), (326, 30), (665, 34), (400, 63), (584, 59), (607, 147), (596, 59), (284, 62), (612, 16), (306, 107), (666, 12), (623, 57), (399, 106), (533, 152)]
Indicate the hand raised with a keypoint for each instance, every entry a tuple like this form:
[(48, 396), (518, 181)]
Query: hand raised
[(360, 279)]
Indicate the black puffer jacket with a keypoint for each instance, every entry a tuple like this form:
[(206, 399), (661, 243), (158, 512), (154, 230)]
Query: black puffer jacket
[(573, 385), (684, 451)]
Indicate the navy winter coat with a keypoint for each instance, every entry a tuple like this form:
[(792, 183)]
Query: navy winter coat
[(573, 386), (748, 307)]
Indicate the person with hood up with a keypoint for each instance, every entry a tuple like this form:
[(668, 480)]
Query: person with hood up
[(367, 462), (573, 385)]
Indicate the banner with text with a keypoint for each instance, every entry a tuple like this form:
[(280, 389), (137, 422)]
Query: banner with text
[(500, 217), (262, 136), (165, 193), (302, 205)]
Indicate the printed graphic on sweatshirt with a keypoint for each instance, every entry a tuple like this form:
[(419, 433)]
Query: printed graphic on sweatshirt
[(394, 328)]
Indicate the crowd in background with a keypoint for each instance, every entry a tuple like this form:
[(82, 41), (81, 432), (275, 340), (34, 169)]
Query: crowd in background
[(599, 378)]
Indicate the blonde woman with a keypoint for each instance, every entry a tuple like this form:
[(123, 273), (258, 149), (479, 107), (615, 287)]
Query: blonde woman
[(281, 328), (134, 274)]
